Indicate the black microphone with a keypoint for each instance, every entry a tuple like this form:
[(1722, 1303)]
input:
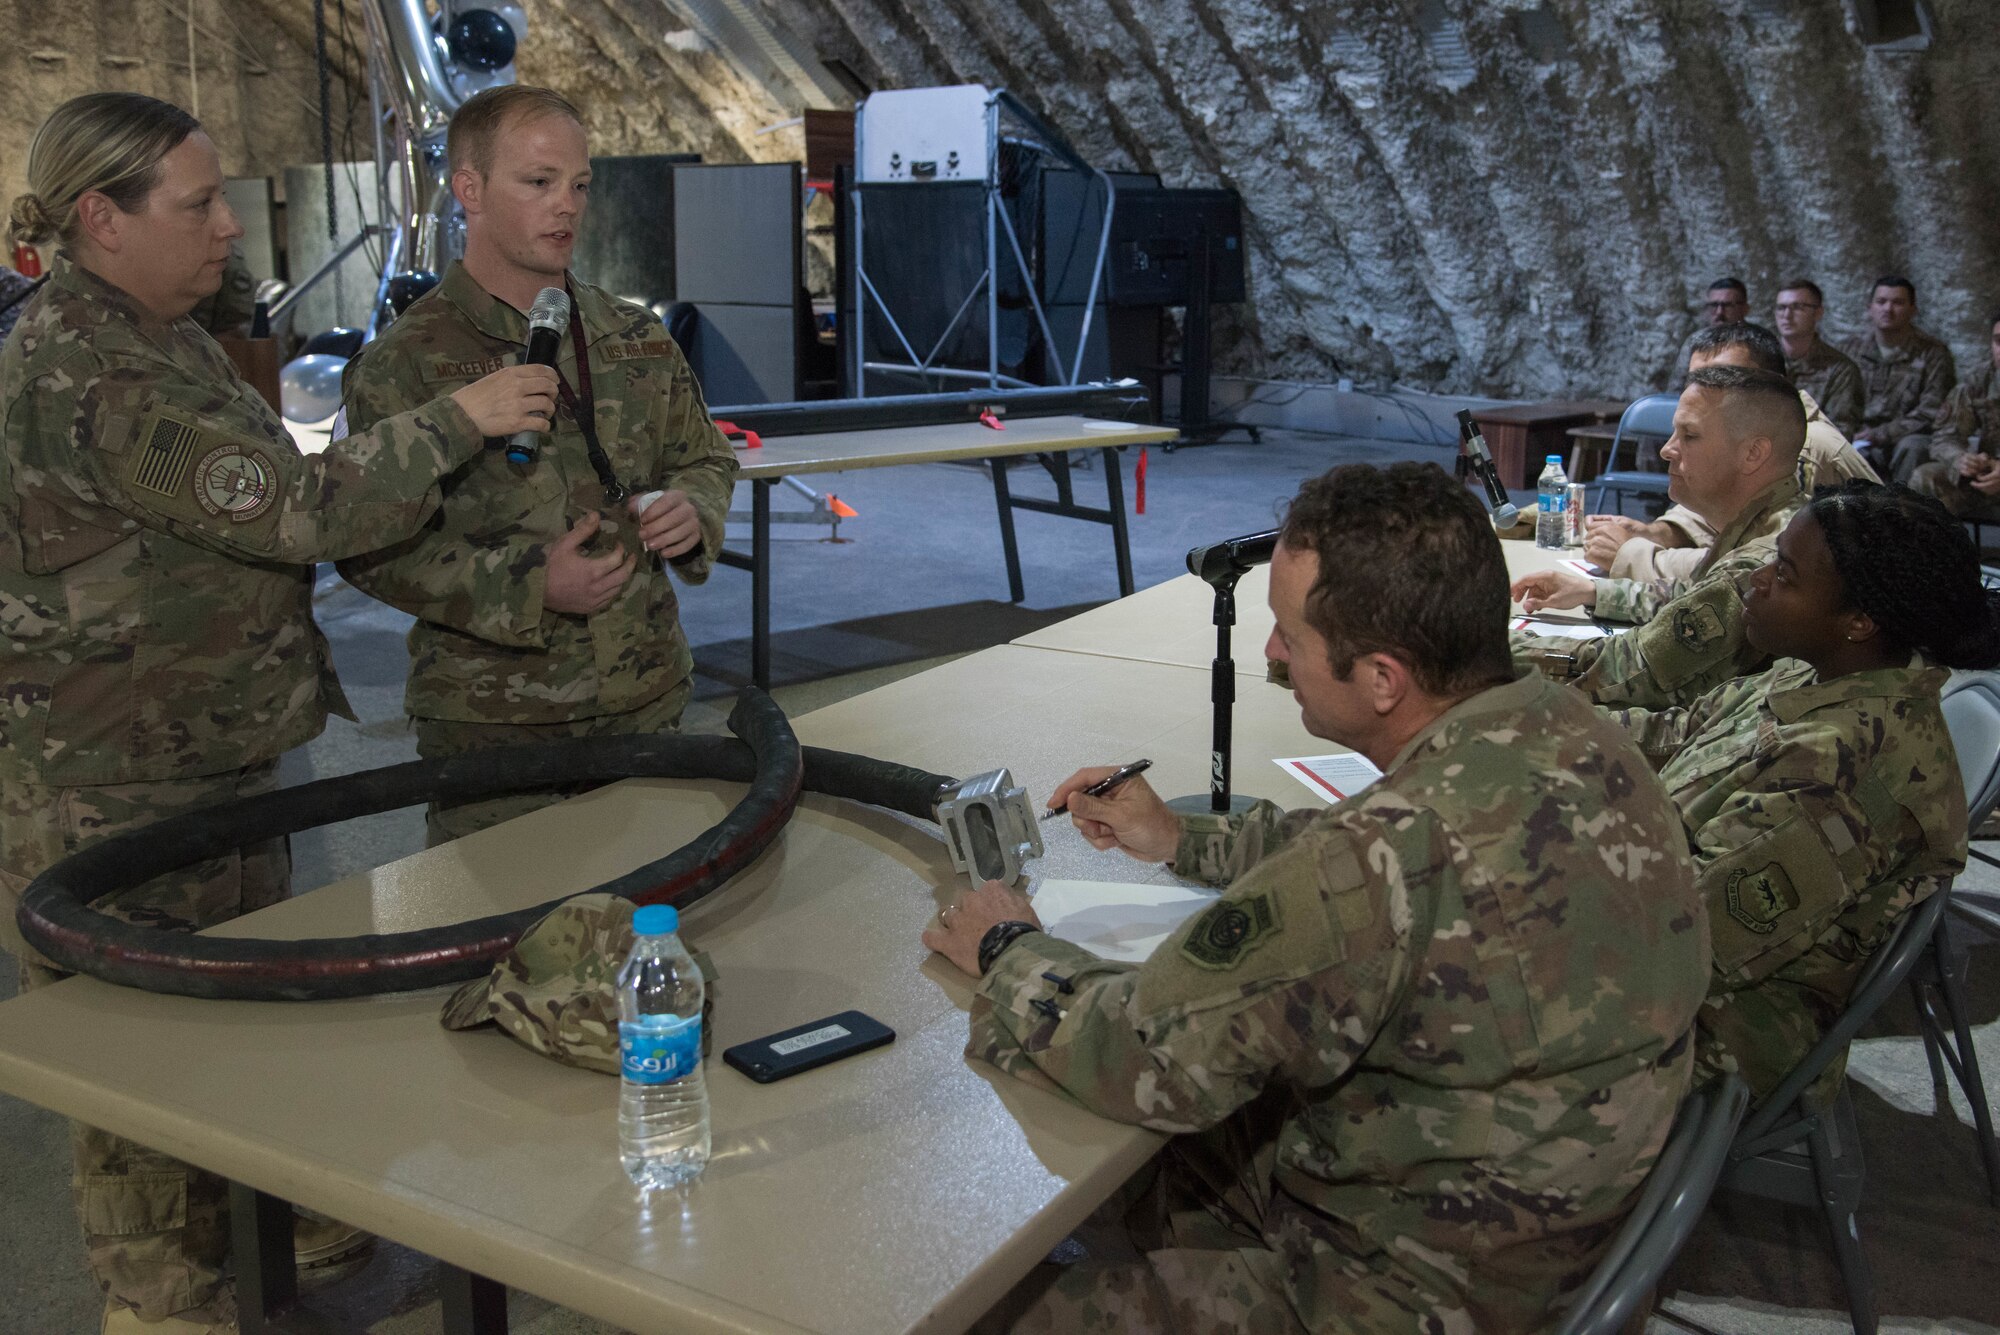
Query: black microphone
[(1229, 560), (1479, 459), (547, 319)]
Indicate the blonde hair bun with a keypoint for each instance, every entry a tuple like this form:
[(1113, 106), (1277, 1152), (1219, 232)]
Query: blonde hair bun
[(28, 220)]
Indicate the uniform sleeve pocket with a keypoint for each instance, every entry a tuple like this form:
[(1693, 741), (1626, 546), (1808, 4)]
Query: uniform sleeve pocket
[(1767, 899)]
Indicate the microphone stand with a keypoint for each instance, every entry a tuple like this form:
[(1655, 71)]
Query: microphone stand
[(1222, 685)]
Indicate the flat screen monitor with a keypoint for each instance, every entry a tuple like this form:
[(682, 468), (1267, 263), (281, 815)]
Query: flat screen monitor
[(1158, 235)]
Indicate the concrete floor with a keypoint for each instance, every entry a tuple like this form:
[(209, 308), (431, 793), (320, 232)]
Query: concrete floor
[(915, 581)]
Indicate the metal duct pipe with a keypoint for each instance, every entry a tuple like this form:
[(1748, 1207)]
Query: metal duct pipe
[(421, 96)]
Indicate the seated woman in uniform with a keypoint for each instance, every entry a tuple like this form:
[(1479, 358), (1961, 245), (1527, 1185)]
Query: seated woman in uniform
[(1822, 797)]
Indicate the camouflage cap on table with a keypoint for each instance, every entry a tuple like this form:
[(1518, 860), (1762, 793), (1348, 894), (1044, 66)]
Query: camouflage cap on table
[(556, 991)]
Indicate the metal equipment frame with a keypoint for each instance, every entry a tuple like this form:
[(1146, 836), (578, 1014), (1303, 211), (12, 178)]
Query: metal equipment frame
[(996, 222)]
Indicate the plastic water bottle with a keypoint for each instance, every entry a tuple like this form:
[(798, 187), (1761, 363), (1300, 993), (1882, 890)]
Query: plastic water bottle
[(663, 1106), (1553, 500)]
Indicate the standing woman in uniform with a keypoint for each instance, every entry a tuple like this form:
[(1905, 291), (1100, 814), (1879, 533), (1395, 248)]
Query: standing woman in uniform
[(158, 530)]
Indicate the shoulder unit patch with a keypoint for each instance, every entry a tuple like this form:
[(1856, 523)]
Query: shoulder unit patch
[(1697, 626), (1229, 929), (236, 480), (1758, 899)]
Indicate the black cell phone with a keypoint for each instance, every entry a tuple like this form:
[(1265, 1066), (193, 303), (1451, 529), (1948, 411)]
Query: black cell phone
[(807, 1046)]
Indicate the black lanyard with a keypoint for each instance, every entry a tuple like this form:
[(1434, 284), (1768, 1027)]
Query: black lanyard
[(583, 407)]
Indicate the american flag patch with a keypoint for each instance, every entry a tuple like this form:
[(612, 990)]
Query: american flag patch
[(163, 464)]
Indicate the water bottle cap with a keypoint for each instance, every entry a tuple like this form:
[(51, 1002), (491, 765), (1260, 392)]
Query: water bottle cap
[(656, 920), (1552, 459)]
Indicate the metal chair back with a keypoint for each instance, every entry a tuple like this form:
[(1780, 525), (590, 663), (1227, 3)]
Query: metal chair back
[(1675, 1194), (1884, 973), (1971, 704), (1652, 415)]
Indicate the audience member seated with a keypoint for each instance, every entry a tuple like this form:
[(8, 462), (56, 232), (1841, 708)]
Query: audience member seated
[(15, 288), (1815, 365), (1420, 1054), (1822, 798), (1727, 302), (1964, 471), (1670, 547), (1906, 374), (1733, 460)]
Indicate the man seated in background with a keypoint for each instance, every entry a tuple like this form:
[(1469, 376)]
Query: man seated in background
[(15, 289), (1421, 1052), (1815, 365), (1734, 461), (1727, 302), (1671, 546), (1905, 373), (1963, 471)]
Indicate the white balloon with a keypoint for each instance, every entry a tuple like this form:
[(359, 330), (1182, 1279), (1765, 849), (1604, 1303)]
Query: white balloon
[(309, 387)]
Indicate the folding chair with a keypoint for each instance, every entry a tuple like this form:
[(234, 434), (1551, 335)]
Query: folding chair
[(1794, 1151), (1971, 703), (1650, 416), (1676, 1192)]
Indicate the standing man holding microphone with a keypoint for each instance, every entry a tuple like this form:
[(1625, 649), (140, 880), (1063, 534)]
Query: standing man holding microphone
[(543, 607)]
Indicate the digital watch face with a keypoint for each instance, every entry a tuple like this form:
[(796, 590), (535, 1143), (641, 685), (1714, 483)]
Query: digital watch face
[(235, 482)]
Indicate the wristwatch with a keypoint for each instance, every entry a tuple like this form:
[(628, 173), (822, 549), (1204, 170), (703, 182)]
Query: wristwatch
[(998, 937)]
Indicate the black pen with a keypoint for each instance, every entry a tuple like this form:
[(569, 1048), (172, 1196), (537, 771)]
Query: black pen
[(1106, 784)]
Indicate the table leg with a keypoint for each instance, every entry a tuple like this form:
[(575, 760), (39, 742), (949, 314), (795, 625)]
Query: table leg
[(473, 1304), (267, 1285), (1121, 542), (760, 584), (1016, 591)]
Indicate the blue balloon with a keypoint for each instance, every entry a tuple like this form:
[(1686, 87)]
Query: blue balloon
[(309, 387)]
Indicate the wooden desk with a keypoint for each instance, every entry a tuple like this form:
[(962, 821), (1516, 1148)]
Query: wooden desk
[(1527, 432), (789, 456), (902, 1190)]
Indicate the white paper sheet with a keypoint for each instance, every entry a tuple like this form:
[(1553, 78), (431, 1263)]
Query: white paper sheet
[(1331, 778), (1562, 630), (1117, 921)]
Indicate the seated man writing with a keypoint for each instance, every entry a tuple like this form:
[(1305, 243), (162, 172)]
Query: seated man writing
[(1671, 547), (1733, 460), (1822, 798), (1964, 472), (1434, 1035)]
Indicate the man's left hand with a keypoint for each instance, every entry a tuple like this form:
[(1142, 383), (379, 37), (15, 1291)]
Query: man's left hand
[(964, 922), (670, 526)]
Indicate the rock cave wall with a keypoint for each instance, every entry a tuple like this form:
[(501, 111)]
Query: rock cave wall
[(1512, 197)]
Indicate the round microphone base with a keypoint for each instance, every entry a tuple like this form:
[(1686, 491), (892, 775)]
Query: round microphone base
[(1203, 804)]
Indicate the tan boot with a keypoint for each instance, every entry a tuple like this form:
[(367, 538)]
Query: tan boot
[(328, 1251), (122, 1320)]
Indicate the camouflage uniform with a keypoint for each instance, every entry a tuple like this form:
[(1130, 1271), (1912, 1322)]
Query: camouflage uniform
[(1466, 995), (1818, 814), (1827, 457), (1833, 381), (1905, 389), (156, 613), (485, 655), (1969, 423), (1690, 632)]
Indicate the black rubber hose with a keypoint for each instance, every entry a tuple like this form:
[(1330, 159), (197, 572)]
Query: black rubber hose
[(55, 918)]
